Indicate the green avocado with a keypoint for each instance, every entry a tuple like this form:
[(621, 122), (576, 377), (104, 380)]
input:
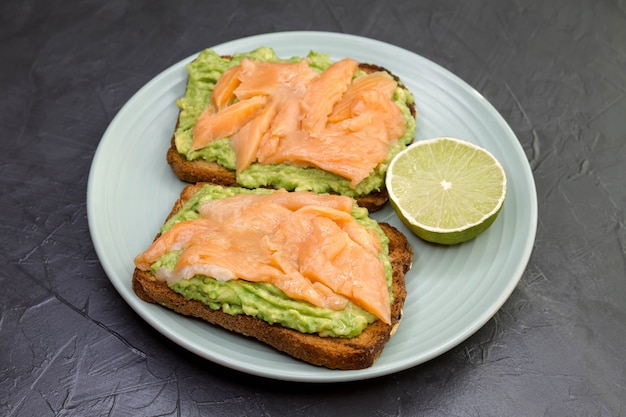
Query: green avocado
[(204, 72), (263, 300)]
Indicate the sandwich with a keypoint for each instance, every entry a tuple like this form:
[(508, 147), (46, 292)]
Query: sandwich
[(309, 124), (311, 275)]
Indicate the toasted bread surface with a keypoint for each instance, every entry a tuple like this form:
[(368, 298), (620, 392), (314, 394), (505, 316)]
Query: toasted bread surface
[(200, 170), (332, 352)]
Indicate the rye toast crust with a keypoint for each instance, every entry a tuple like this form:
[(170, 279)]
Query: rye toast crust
[(200, 170), (331, 352)]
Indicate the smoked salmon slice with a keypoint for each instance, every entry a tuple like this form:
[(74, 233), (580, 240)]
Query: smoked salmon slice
[(213, 125), (348, 106), (284, 129), (353, 155), (268, 78), (307, 245), (177, 238), (247, 140), (286, 112), (324, 92), (223, 92)]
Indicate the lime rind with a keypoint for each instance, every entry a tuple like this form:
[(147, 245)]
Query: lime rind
[(446, 190)]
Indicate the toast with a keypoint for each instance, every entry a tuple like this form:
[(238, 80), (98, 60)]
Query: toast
[(373, 197), (342, 353)]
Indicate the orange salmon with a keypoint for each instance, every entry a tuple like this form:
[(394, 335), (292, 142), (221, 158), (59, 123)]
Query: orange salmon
[(307, 245), (285, 112)]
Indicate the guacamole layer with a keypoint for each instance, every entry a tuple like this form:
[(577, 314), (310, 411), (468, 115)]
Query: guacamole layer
[(263, 300), (204, 72)]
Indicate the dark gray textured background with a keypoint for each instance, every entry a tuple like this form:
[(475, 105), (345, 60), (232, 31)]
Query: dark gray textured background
[(555, 70)]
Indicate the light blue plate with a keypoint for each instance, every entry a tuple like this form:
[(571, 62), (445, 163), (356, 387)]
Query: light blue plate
[(452, 291)]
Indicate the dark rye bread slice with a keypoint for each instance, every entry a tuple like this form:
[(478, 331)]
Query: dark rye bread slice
[(335, 353), (200, 170)]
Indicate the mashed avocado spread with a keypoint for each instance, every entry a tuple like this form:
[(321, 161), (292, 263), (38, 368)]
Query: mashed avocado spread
[(204, 72), (263, 300)]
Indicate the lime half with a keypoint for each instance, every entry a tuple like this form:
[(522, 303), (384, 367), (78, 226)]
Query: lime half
[(446, 190)]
